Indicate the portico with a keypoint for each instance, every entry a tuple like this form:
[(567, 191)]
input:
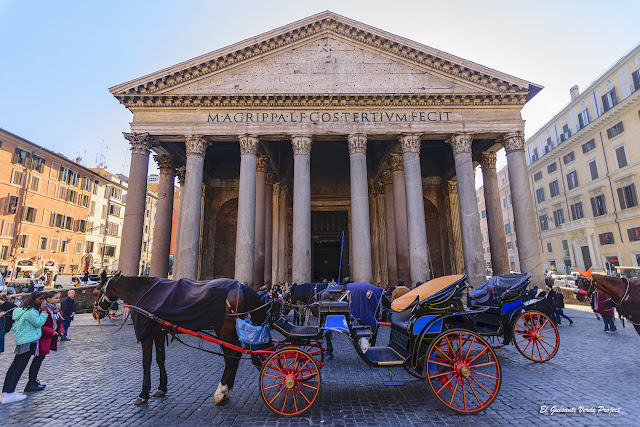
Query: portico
[(323, 119)]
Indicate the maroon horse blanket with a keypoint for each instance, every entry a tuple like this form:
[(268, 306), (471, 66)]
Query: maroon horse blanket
[(186, 303), (630, 304)]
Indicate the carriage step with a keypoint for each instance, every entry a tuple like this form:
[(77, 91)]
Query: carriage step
[(384, 356)]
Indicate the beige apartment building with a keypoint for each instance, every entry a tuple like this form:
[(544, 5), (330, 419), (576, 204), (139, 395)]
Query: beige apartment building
[(507, 216), (583, 166)]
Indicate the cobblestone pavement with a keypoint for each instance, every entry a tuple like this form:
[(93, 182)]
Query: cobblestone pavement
[(93, 380)]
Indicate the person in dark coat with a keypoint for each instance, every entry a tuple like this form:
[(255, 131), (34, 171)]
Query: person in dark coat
[(6, 321), (558, 305), (604, 306), (68, 308)]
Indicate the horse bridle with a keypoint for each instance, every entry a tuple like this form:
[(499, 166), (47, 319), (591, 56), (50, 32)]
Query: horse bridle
[(593, 287), (103, 297)]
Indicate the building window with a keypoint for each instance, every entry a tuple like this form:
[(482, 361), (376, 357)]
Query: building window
[(598, 205), (636, 81), (34, 183), (540, 194), (549, 247), (483, 213), (583, 118), (78, 248), (12, 204), (144, 246), (16, 177), (593, 169), (115, 210), (90, 247), (20, 157), (634, 234), (29, 214), (537, 176), (4, 252), (44, 243), (552, 167), (544, 222), (507, 228), (92, 209), (558, 217), (86, 184), (589, 146), (96, 183), (615, 130), (37, 164), (81, 226), (568, 158), (609, 100), (509, 245), (534, 157), (572, 180), (606, 238), (621, 157), (23, 241), (64, 246), (554, 190), (53, 246), (627, 196), (566, 133), (549, 146), (7, 228), (576, 211), (565, 245), (109, 251)]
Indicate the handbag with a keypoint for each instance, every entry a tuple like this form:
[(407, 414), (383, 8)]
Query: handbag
[(249, 333)]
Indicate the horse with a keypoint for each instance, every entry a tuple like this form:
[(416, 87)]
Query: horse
[(240, 299), (624, 293)]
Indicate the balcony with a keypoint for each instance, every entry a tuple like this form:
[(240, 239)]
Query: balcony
[(577, 225)]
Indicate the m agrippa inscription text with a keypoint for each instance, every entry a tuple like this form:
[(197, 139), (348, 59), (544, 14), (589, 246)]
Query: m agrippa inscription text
[(325, 117)]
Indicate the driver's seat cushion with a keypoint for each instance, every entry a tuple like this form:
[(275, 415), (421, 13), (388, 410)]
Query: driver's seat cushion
[(400, 320)]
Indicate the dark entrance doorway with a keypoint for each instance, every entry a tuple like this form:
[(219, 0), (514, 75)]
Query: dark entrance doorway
[(326, 236), (586, 256)]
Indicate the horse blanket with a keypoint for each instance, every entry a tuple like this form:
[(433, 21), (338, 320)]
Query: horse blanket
[(186, 303), (365, 299), (630, 304)]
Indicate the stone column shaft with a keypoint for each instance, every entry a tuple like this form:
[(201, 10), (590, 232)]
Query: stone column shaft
[(282, 235), (181, 179), (164, 217), (523, 213), (360, 225), (246, 231), (258, 253), (400, 216), (495, 222), (301, 272), (268, 231), (392, 263), (131, 243), (469, 220), (191, 212), (416, 225)]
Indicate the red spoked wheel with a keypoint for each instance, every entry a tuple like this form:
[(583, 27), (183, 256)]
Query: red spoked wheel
[(290, 381), (463, 371), (536, 336), (312, 348)]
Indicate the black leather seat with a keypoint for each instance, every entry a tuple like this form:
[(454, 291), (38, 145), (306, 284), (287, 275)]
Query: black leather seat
[(400, 320), (329, 300)]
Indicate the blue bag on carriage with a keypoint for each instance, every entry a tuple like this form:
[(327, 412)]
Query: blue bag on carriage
[(249, 333)]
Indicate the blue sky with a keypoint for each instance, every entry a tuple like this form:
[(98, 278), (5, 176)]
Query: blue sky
[(58, 59)]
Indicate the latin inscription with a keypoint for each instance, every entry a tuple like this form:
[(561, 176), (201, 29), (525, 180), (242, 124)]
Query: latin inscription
[(326, 117)]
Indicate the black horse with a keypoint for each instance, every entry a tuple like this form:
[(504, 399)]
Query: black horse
[(236, 298)]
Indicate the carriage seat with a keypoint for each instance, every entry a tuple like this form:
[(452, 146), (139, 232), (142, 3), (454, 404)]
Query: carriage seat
[(400, 320), (330, 300)]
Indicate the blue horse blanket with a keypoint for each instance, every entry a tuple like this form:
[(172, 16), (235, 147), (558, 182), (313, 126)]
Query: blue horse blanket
[(365, 299)]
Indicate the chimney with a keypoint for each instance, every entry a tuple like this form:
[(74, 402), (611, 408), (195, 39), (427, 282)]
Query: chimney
[(575, 92), (78, 160)]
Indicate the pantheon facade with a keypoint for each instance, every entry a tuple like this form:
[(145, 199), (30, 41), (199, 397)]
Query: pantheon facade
[(323, 148)]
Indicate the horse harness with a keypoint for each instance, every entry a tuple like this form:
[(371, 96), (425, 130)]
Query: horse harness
[(622, 304)]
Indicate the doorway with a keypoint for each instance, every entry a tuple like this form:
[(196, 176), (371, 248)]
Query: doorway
[(326, 240), (586, 257)]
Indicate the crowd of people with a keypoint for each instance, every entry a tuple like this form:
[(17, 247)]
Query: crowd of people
[(37, 324)]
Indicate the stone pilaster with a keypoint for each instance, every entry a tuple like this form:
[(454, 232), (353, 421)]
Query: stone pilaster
[(416, 226), (360, 229), (245, 233), (164, 216), (301, 262), (469, 219), (495, 222), (523, 213), (390, 229), (131, 243), (261, 193), (400, 217)]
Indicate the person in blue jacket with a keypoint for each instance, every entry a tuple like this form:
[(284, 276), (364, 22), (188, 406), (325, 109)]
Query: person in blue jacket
[(27, 326)]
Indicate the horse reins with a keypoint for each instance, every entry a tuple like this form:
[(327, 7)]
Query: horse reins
[(594, 285), (100, 310)]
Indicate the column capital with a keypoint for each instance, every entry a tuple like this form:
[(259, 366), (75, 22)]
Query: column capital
[(301, 144), (357, 143), (271, 178), (410, 142), (248, 144), (387, 178), (181, 173), (397, 163), (488, 160), (378, 188), (261, 163), (513, 141), (166, 163), (460, 142), (196, 145), (452, 186), (140, 142)]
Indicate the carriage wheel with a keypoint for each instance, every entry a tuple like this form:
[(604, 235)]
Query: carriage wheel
[(290, 381), (463, 371), (536, 336)]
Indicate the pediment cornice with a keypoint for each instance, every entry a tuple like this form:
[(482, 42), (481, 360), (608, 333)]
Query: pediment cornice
[(327, 23)]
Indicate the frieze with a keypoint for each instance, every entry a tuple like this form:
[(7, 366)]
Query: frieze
[(324, 117), (357, 143)]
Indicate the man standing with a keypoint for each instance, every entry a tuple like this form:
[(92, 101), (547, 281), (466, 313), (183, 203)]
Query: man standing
[(68, 312)]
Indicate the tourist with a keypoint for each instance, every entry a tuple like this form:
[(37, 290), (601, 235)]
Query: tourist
[(6, 321), (399, 290), (559, 305), (604, 306), (51, 329), (28, 330), (68, 307)]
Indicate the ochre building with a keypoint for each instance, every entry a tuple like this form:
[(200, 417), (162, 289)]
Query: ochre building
[(320, 129)]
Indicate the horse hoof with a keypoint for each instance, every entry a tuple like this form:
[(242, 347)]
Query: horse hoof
[(140, 401), (222, 394), (159, 393), (329, 356)]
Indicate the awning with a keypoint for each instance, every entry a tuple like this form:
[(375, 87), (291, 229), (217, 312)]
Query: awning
[(26, 268)]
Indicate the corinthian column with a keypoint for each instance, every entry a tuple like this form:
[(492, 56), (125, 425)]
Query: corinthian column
[(416, 226), (301, 261), (164, 217), (246, 237), (283, 264), (191, 199), (392, 263), (523, 214), (360, 230), (258, 253), (176, 250), (400, 214), (131, 243), (268, 230), (495, 223), (468, 203)]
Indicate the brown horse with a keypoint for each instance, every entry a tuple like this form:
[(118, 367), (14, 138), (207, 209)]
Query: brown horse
[(624, 293), (239, 299)]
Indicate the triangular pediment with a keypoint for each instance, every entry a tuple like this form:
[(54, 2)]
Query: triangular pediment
[(325, 54)]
